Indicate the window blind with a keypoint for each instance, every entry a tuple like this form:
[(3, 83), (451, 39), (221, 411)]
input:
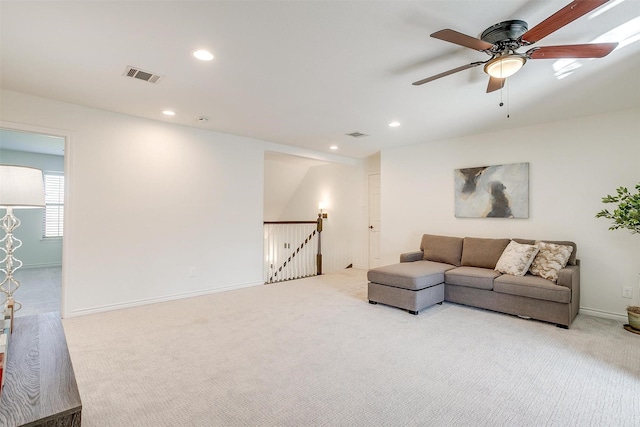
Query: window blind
[(53, 217)]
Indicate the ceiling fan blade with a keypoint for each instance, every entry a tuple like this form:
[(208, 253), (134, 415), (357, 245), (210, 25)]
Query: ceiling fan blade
[(595, 50), (446, 73), (495, 83), (452, 36), (567, 14)]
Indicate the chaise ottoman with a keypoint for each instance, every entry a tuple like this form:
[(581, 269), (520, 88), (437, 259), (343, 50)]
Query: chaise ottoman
[(410, 286)]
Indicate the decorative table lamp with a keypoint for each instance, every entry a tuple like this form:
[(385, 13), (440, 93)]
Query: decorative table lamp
[(21, 187)]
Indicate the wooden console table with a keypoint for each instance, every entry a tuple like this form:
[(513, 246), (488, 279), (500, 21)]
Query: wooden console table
[(40, 388)]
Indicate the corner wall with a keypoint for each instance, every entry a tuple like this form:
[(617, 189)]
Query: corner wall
[(573, 164), (343, 189), (154, 211)]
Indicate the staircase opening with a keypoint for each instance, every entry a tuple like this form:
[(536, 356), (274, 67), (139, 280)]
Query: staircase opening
[(292, 249)]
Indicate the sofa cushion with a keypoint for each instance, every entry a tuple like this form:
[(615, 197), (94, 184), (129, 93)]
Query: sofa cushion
[(516, 258), (532, 287), (572, 258), (442, 249), (483, 253), (409, 275), (550, 259), (471, 277)]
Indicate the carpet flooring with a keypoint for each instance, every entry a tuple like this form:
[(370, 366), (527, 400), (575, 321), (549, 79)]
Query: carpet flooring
[(313, 352), (39, 291)]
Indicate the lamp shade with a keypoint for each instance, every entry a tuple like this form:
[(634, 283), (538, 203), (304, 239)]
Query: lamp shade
[(21, 187)]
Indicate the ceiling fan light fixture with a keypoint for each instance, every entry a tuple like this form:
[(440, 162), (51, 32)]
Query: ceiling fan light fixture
[(504, 66)]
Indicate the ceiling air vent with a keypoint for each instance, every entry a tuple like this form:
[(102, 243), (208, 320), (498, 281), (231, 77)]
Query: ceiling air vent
[(357, 134), (139, 74)]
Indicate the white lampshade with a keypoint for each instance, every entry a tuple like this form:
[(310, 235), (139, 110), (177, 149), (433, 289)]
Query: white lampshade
[(21, 187), (504, 66)]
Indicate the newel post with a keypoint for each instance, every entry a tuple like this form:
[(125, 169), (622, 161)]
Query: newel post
[(319, 255)]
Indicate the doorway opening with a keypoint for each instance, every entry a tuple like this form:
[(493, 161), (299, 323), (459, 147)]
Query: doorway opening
[(41, 230)]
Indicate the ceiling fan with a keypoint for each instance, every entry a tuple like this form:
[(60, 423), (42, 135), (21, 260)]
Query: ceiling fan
[(501, 41)]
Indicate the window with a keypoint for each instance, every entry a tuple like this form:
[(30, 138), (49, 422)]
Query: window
[(53, 218)]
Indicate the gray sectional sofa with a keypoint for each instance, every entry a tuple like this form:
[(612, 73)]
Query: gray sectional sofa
[(528, 278)]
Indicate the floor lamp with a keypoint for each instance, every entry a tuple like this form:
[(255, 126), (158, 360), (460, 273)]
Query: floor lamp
[(20, 188)]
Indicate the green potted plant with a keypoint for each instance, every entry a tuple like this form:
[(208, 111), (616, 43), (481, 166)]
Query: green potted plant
[(625, 215)]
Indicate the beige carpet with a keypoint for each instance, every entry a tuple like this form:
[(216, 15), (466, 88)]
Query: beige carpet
[(313, 352)]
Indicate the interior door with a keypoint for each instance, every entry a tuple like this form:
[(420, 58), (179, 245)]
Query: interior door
[(374, 220)]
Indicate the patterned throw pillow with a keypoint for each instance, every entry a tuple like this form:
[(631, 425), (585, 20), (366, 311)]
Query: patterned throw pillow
[(516, 258), (550, 259)]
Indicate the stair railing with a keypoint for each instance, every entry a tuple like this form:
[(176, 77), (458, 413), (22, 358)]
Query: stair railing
[(292, 250)]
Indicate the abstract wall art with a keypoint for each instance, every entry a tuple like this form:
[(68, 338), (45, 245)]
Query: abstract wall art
[(500, 191)]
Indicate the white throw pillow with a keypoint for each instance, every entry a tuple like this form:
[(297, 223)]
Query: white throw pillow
[(516, 258), (550, 259)]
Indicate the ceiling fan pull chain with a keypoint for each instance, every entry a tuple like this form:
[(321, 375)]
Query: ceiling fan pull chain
[(501, 100), (508, 99)]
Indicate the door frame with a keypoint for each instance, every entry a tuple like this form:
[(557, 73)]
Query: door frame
[(21, 127)]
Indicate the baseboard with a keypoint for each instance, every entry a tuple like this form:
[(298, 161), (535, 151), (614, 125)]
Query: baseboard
[(604, 314), (46, 265), (146, 301)]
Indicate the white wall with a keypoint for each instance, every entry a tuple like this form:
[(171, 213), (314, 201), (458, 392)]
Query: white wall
[(372, 163), (282, 176), (573, 164), (35, 251), (149, 204), (343, 189)]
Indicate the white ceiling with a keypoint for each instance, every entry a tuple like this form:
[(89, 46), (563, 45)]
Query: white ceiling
[(305, 73)]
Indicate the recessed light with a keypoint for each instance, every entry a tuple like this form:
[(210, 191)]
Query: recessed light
[(169, 113), (333, 147), (203, 55), (394, 124)]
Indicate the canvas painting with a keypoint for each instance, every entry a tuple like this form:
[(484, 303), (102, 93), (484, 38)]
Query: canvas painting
[(500, 191)]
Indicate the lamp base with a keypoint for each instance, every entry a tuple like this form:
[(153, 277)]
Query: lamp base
[(10, 263)]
